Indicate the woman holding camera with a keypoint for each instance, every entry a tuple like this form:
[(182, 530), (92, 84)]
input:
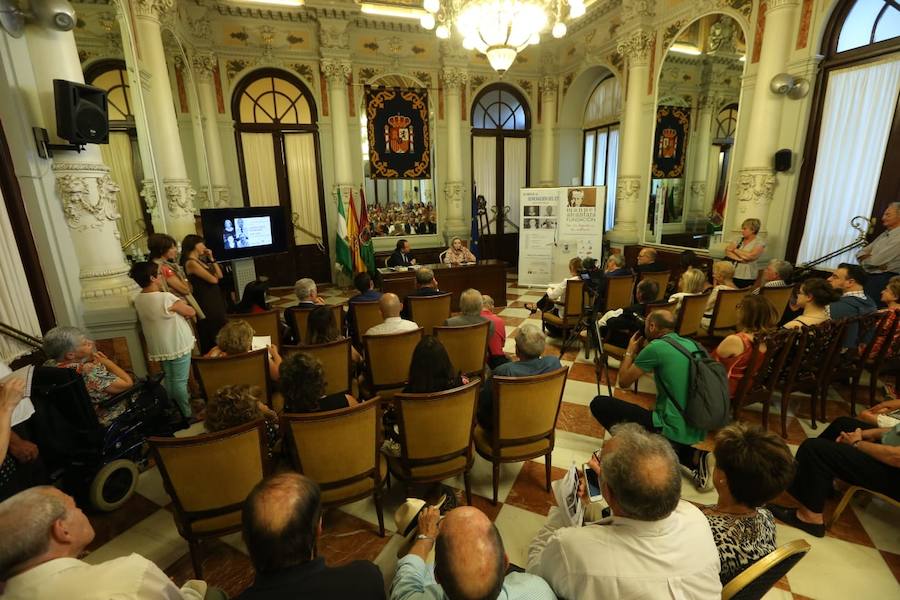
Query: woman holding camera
[(204, 274)]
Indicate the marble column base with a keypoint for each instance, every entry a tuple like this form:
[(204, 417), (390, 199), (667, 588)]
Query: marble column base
[(625, 230)]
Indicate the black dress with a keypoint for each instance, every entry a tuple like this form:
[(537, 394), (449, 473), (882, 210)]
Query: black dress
[(209, 297)]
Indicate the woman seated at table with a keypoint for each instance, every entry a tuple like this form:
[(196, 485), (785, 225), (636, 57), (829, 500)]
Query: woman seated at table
[(321, 329), (303, 386), (457, 253), (236, 337), (755, 315), (814, 297)]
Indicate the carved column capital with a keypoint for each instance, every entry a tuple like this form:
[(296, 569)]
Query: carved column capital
[(548, 85), (627, 188), (203, 64), (88, 195), (756, 186), (636, 48), (153, 9), (454, 78), (179, 197), (336, 70)]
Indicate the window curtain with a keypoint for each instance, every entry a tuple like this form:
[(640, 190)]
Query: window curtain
[(612, 173), (259, 168), (16, 305), (515, 162), (484, 171), (859, 108), (118, 157), (303, 182)]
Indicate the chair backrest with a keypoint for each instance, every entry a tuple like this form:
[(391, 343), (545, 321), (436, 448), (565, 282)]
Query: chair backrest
[(725, 313), (298, 316), (812, 352), (758, 578), (618, 291), (526, 408), (336, 448), (662, 280), (466, 345), (251, 368), (443, 255), (365, 315), (768, 355), (388, 358), (779, 297), (687, 322), (263, 323), (336, 361), (210, 475), (437, 427), (428, 311), (669, 306), (574, 304)]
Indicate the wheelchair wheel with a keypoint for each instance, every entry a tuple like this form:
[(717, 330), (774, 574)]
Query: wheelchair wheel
[(113, 485)]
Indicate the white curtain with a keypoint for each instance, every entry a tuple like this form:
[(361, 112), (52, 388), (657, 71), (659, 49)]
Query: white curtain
[(259, 166), (515, 163), (612, 173), (484, 171), (303, 181), (118, 157), (856, 121), (16, 305)]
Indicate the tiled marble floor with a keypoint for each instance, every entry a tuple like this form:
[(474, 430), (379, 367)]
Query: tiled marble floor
[(859, 558)]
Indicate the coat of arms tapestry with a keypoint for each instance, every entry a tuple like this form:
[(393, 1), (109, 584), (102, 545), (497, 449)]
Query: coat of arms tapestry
[(399, 137), (670, 142)]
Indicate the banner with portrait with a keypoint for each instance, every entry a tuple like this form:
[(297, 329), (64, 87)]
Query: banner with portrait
[(670, 141), (399, 136)]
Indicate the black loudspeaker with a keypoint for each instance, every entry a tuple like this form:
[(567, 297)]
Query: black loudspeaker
[(82, 115), (783, 160)]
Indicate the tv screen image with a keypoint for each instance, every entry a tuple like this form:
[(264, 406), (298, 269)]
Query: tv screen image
[(244, 232)]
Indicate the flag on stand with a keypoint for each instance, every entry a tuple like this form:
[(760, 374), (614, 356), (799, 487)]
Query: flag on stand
[(342, 243), (474, 246), (366, 246), (353, 238)]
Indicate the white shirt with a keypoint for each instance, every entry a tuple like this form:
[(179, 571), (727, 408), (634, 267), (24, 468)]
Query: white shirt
[(392, 325), (618, 557), (130, 577), (885, 253), (557, 292), (167, 333)]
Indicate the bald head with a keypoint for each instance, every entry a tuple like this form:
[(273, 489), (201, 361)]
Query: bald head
[(659, 323), (469, 560), (390, 305)]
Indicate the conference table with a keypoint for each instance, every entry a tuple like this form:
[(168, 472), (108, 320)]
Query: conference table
[(487, 276)]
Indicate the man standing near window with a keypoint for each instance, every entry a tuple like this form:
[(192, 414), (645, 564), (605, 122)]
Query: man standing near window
[(881, 258)]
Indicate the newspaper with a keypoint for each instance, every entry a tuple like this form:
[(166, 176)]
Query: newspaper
[(25, 408), (260, 341), (565, 491)]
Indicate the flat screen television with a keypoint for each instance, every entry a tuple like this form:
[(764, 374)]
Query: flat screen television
[(244, 232)]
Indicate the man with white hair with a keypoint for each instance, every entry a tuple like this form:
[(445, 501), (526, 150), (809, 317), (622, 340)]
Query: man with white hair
[(530, 343), (881, 258), (307, 293), (44, 533), (776, 274), (615, 266), (470, 305)]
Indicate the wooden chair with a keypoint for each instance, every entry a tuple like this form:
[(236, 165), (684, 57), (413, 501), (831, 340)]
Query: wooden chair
[(758, 578), (436, 435), (466, 345), (340, 450), (779, 297), (572, 309), (429, 311), (265, 323), (886, 358), (725, 312), (687, 321), (618, 292), (669, 306), (336, 359), (764, 370), (364, 316), (298, 316), (387, 360), (848, 495), (208, 477), (251, 368), (662, 280), (524, 421)]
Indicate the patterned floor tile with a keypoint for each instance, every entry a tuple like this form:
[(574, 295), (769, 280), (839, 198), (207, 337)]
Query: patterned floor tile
[(346, 538), (530, 492), (108, 525), (223, 567), (893, 563), (576, 418), (518, 527)]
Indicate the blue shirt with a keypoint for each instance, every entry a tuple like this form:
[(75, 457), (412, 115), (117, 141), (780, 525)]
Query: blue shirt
[(414, 580)]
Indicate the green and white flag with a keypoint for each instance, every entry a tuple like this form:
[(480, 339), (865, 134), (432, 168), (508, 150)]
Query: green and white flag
[(341, 244)]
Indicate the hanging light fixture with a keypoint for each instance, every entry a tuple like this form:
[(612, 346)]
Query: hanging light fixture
[(499, 29)]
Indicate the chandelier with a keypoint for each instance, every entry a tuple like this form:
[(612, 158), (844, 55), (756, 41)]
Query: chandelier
[(499, 29)]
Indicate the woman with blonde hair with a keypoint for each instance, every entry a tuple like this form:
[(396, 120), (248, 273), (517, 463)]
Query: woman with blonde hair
[(745, 253), (723, 279), (692, 283), (457, 253), (755, 315), (236, 337)]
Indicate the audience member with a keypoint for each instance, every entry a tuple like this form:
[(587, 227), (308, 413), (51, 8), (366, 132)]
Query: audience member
[(881, 258), (400, 257), (70, 348), (850, 450), (169, 337), (234, 405), (654, 546), (321, 329), (431, 370), (776, 274), (530, 344), (471, 303), (44, 533), (307, 293), (813, 299), (691, 283), (254, 300), (890, 297), (426, 284), (367, 293), (204, 274), (745, 253), (723, 279), (391, 308), (282, 521), (755, 315), (883, 414), (853, 303), (457, 253), (163, 251), (617, 326), (753, 466), (11, 393), (646, 262), (557, 293), (303, 386), (469, 562), (654, 352), (615, 266), (236, 337), (496, 355)]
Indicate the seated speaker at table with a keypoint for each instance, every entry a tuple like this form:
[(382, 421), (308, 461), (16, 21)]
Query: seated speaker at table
[(458, 254)]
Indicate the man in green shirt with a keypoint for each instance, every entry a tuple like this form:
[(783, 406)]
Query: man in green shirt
[(647, 352)]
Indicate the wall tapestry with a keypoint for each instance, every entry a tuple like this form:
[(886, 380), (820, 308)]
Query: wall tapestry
[(399, 137), (670, 147)]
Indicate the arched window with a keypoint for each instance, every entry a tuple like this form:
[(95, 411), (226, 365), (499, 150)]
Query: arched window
[(600, 156), (279, 158), (853, 140), (501, 158), (112, 76), (726, 124)]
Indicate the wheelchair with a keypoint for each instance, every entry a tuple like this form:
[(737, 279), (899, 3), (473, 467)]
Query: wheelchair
[(90, 461)]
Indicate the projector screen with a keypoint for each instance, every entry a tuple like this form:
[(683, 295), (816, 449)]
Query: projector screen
[(244, 232)]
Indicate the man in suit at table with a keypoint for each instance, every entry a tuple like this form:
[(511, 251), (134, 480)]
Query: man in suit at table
[(400, 256)]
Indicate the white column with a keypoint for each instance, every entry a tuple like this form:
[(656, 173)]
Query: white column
[(699, 172), (169, 156), (634, 150), (454, 79), (337, 73), (756, 178), (548, 87), (203, 66)]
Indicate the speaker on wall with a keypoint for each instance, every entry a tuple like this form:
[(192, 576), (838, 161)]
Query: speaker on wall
[(783, 160), (82, 115)]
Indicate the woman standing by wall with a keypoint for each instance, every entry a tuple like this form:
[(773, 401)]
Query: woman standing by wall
[(204, 274), (745, 252)]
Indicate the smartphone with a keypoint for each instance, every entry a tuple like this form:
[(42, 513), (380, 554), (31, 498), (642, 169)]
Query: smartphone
[(593, 483)]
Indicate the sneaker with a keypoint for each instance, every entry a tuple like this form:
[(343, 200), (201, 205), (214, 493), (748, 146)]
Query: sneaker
[(702, 473)]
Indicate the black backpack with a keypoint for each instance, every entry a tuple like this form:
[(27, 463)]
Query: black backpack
[(708, 405)]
